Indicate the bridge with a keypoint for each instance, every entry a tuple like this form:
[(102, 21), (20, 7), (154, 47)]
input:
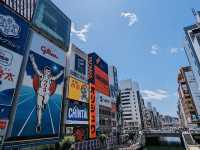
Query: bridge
[(162, 133)]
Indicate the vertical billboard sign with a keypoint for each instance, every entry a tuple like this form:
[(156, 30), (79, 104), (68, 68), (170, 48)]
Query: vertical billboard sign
[(98, 73), (101, 81), (13, 37), (77, 90), (80, 132), (77, 61), (77, 113), (55, 24), (39, 105), (92, 112)]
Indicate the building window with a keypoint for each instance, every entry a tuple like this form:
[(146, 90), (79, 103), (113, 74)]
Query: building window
[(125, 103)]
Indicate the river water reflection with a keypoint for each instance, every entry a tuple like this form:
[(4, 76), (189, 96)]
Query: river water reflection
[(166, 144)]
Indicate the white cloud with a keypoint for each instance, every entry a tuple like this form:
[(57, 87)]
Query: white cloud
[(131, 16), (154, 49), (174, 50), (158, 94), (82, 32)]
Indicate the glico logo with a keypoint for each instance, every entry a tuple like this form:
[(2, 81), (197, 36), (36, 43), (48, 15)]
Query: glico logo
[(5, 58), (48, 51), (8, 26)]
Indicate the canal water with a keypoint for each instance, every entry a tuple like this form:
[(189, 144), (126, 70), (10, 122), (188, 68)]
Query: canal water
[(165, 144)]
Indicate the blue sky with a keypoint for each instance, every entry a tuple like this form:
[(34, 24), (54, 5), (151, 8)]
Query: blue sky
[(142, 38)]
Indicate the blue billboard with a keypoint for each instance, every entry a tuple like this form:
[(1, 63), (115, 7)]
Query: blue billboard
[(56, 24), (77, 113), (13, 31), (13, 39)]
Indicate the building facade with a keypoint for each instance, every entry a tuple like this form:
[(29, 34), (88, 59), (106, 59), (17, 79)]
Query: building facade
[(130, 105), (188, 108), (114, 93), (192, 47)]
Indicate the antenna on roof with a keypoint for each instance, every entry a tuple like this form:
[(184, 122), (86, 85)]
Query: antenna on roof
[(196, 14)]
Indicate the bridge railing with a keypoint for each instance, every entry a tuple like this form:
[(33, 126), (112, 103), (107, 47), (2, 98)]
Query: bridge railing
[(24, 8)]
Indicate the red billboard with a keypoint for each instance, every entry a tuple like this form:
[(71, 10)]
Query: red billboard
[(101, 81)]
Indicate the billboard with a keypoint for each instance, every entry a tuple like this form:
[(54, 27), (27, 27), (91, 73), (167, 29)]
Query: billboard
[(79, 132), (77, 90), (92, 112), (13, 31), (55, 24), (101, 81), (39, 104), (98, 73), (13, 37), (99, 62), (103, 100), (78, 63), (77, 113)]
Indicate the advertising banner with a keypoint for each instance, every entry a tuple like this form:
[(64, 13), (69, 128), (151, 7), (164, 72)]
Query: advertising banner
[(79, 132), (77, 90), (10, 64), (13, 31), (40, 99), (101, 81), (92, 112), (99, 62), (77, 113), (56, 24), (13, 38), (103, 100), (78, 63)]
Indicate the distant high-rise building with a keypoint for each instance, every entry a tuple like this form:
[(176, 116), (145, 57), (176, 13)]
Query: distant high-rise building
[(189, 98), (130, 105)]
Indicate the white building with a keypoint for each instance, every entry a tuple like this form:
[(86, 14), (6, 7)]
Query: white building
[(130, 105)]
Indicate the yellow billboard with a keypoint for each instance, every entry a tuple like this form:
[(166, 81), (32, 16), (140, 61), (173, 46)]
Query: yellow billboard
[(77, 90)]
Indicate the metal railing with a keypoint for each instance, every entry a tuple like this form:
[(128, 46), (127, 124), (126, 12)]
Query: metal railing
[(96, 144), (24, 8)]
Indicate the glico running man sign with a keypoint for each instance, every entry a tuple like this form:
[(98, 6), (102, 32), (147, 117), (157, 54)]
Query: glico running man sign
[(40, 101)]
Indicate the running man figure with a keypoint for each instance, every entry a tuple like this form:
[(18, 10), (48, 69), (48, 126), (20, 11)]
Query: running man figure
[(43, 92)]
